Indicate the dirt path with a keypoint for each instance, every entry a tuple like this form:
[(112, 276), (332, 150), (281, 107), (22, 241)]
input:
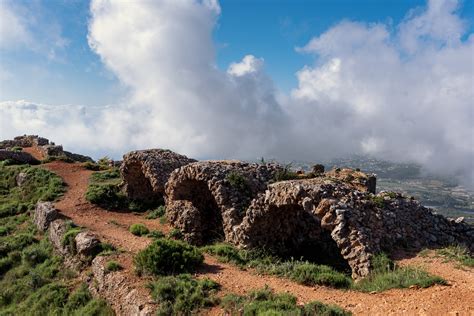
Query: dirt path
[(455, 299)]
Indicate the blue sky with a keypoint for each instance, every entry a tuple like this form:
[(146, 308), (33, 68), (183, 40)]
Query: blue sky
[(267, 29), (293, 80)]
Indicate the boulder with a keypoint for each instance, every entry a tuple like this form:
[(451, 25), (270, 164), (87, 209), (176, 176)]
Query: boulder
[(45, 213), (57, 230), (21, 178), (145, 173), (87, 244), (359, 180), (207, 199)]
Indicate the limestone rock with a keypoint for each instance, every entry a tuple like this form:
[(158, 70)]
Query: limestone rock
[(87, 244), (120, 292), (145, 172), (21, 178), (45, 213), (57, 230)]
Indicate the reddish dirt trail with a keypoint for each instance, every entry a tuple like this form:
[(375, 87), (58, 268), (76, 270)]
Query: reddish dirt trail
[(109, 225), (455, 299)]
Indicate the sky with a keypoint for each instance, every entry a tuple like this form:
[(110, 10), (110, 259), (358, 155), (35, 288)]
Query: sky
[(293, 80)]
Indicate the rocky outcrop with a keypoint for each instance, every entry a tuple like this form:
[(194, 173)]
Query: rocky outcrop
[(145, 172), (45, 213), (119, 290), (332, 218), (87, 244), (24, 141), (21, 178), (361, 181), (207, 199), (18, 157)]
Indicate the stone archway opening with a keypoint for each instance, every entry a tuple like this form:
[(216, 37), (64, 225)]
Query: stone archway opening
[(209, 218), (289, 231), (137, 185)]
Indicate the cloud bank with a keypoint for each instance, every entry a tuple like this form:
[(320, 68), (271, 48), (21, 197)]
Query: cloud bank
[(401, 93)]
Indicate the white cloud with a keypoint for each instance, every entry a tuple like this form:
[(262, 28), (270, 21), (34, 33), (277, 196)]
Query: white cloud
[(402, 95), (13, 28)]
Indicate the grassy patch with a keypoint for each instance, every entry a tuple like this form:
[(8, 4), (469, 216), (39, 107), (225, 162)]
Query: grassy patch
[(266, 302), (459, 254), (285, 174), (33, 280), (182, 294), (387, 275), (112, 266), (104, 190), (167, 256), (175, 234), (139, 229), (302, 272), (156, 213), (238, 182), (156, 234)]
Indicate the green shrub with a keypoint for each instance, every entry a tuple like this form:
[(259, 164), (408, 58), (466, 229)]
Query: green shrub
[(157, 234), (167, 256), (107, 249), (266, 302), (113, 266), (107, 175), (182, 294), (91, 166), (226, 253), (107, 196), (156, 213), (238, 182), (17, 148), (285, 174), (139, 229), (387, 275), (69, 238), (175, 233)]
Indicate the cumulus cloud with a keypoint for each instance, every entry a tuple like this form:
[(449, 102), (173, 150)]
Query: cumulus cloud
[(402, 93)]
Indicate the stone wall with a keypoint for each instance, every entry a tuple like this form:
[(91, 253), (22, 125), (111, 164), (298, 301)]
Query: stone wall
[(24, 141), (18, 157), (207, 199), (145, 172), (294, 214)]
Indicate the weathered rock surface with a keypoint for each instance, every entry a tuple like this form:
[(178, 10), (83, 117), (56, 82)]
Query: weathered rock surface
[(361, 181), (21, 178), (119, 290), (207, 199), (292, 214), (57, 230), (18, 157), (145, 172), (45, 147), (45, 213), (24, 141), (87, 244)]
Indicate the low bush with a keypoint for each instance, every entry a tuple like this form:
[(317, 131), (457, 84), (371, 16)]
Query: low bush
[(238, 182), (457, 253), (156, 234), (387, 275), (69, 240), (113, 266), (183, 295), (167, 256), (175, 233), (156, 213), (266, 302), (107, 196), (285, 174), (107, 175), (139, 229)]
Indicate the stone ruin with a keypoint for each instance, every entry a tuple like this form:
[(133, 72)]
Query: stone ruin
[(45, 147), (145, 172), (331, 217), (207, 199)]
